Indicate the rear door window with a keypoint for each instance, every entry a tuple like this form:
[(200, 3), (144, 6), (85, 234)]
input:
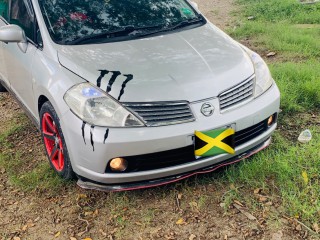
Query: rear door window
[(4, 8)]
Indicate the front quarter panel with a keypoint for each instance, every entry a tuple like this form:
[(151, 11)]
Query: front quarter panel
[(52, 81)]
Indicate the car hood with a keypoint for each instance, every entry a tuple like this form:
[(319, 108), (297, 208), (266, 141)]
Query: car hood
[(190, 65)]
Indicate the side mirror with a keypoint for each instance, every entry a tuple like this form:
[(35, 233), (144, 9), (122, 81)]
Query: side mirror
[(194, 4), (14, 33)]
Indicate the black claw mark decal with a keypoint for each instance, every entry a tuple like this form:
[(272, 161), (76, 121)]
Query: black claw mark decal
[(82, 128), (129, 78), (106, 136), (115, 74), (91, 136), (102, 74)]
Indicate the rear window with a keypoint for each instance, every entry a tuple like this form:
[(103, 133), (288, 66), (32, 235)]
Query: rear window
[(68, 20)]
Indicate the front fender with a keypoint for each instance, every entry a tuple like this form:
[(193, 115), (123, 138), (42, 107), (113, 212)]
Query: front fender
[(52, 80)]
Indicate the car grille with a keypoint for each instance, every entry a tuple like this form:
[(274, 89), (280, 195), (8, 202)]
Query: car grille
[(237, 94), (183, 155), (162, 113)]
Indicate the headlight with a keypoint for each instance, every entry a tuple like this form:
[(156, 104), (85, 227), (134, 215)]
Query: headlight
[(97, 108), (263, 76)]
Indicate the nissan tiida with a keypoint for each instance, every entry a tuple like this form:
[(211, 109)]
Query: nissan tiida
[(131, 94)]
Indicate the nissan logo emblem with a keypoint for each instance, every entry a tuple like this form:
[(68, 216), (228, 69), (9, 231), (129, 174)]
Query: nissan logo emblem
[(207, 109)]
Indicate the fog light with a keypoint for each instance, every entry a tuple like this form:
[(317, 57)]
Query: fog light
[(118, 164), (270, 120)]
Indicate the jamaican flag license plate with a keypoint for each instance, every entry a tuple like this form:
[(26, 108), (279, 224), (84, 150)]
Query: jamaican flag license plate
[(214, 142)]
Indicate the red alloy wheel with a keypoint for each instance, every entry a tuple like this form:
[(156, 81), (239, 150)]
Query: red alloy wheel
[(52, 142)]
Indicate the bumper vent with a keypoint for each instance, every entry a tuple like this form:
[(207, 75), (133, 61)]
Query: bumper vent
[(237, 94), (162, 113), (250, 133)]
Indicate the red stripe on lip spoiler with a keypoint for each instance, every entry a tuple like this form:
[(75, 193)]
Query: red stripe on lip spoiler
[(155, 183)]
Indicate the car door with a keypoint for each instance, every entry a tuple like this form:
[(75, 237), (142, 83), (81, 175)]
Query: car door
[(4, 9), (18, 64), (3, 74)]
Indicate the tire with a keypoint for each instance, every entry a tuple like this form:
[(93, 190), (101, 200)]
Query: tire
[(54, 143), (2, 88)]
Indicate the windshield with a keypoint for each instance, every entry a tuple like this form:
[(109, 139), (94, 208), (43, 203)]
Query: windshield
[(69, 21)]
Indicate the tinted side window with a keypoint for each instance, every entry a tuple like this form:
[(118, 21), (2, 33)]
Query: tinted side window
[(23, 16), (4, 8)]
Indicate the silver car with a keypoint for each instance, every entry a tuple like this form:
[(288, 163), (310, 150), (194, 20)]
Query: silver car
[(131, 94)]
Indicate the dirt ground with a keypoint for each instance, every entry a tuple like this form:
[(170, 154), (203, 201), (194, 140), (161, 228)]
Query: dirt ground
[(217, 11), (74, 213)]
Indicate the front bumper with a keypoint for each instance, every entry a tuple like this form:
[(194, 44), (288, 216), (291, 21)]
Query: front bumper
[(90, 151), (87, 184)]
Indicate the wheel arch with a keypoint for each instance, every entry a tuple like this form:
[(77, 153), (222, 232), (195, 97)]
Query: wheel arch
[(41, 100)]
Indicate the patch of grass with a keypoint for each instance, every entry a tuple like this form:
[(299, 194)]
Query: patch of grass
[(299, 84), (296, 67), (291, 41), (23, 171), (278, 170), (41, 178), (285, 10), (11, 128)]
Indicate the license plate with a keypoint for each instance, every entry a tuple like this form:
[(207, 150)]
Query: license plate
[(214, 142)]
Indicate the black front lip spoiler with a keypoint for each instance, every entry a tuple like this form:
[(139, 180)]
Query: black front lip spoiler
[(87, 184)]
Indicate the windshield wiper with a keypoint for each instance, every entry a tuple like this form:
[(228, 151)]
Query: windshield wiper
[(124, 31), (181, 24), (186, 23)]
